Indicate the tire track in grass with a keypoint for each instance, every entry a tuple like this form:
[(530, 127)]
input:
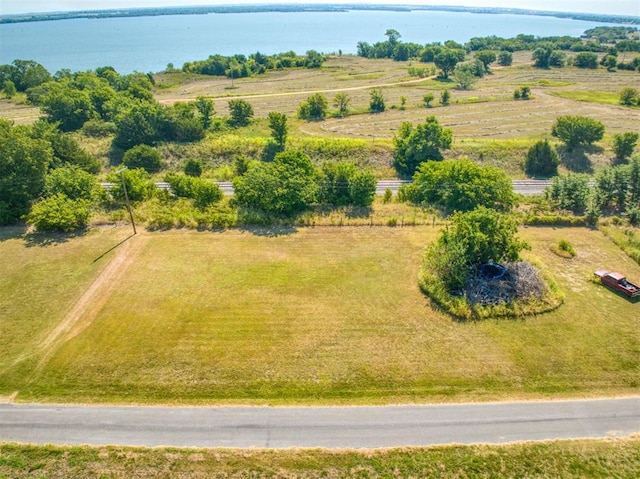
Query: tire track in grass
[(85, 310)]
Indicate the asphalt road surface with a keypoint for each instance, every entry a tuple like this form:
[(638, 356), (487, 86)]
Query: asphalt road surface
[(523, 187), (330, 427)]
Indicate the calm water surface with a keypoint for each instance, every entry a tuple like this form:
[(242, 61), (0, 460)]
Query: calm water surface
[(150, 43)]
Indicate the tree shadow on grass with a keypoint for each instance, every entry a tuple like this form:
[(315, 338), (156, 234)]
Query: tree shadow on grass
[(272, 231), (576, 159), (45, 239), (12, 232)]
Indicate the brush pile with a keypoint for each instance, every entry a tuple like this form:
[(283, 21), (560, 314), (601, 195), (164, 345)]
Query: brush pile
[(520, 281)]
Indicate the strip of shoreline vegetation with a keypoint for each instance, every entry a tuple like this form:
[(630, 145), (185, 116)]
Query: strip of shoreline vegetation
[(289, 8), (593, 458)]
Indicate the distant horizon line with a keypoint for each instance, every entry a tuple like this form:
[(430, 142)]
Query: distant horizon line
[(285, 7)]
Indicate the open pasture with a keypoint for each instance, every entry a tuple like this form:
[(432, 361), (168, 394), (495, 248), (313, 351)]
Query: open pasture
[(487, 111), (320, 315)]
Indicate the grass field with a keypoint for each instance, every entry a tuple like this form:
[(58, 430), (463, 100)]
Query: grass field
[(618, 458), (314, 316)]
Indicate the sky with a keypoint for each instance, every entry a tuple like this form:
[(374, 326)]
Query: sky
[(619, 7)]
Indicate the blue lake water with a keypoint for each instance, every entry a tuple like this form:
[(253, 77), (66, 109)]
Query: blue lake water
[(150, 43)]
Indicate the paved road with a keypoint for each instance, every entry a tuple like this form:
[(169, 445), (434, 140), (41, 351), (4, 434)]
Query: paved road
[(524, 187), (333, 427)]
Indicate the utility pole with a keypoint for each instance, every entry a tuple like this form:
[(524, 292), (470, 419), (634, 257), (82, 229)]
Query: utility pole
[(126, 197)]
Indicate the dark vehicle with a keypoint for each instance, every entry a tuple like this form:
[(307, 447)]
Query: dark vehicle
[(618, 282)]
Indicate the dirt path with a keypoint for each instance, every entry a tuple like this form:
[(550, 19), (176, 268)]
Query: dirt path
[(85, 310), (171, 101)]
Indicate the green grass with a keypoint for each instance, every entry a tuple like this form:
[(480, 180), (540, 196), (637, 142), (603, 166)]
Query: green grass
[(605, 97), (320, 315), (602, 458)]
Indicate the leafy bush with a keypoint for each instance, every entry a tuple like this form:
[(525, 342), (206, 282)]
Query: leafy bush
[(143, 156), (314, 108), (59, 213), (577, 130), (98, 128), (376, 101), (564, 249), (414, 145), (71, 181), (570, 192), (542, 160), (204, 192), (240, 112), (460, 185), (285, 187), (193, 167), (139, 185), (343, 184)]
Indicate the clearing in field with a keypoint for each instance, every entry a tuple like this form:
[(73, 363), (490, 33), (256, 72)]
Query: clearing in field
[(318, 315)]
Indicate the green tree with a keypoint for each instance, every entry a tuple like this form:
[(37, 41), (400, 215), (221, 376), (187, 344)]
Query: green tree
[(66, 150), (487, 57), (241, 113), (447, 60), (445, 97), (629, 96), (286, 186), (624, 144), (72, 182), (314, 108), (362, 188), (203, 191), (541, 56), (376, 101), (610, 62), (486, 235), (343, 184), (505, 58), (341, 102), (414, 145), (428, 99), (460, 185), (586, 60), (137, 125), (23, 166), (68, 106), (206, 109), (138, 183), (143, 156), (9, 89), (465, 76), (577, 130), (570, 192), (473, 238), (541, 160), (193, 167), (59, 213), (278, 127), (29, 74)]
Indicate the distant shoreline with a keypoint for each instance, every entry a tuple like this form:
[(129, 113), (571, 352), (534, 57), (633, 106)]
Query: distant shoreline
[(301, 8)]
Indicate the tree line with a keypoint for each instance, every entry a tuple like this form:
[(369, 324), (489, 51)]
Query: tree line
[(547, 51)]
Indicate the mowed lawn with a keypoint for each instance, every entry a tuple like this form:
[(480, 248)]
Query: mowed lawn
[(317, 315)]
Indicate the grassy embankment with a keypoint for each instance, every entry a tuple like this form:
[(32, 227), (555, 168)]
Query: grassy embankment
[(313, 316), (618, 458)]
